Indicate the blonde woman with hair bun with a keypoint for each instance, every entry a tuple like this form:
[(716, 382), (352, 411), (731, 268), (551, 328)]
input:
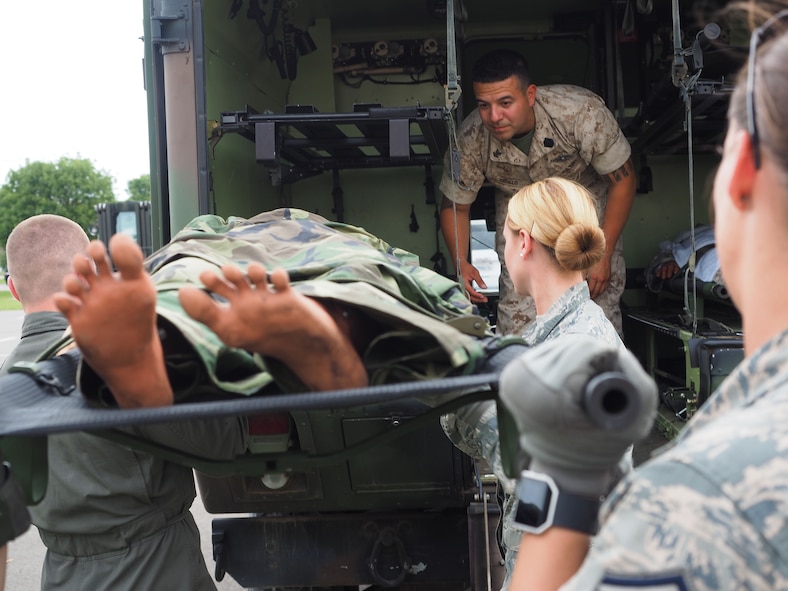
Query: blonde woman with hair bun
[(552, 237)]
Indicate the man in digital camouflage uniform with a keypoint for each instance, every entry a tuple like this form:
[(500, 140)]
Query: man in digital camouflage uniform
[(474, 428), (565, 211), (520, 134), (710, 512)]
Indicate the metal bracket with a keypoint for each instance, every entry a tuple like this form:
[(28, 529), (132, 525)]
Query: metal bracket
[(170, 25), (453, 89), (384, 137), (679, 67)]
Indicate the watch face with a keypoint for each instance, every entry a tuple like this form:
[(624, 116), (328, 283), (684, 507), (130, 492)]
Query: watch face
[(534, 496)]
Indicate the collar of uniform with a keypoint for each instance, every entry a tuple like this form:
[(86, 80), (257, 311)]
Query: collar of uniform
[(544, 324), (36, 323), (506, 152)]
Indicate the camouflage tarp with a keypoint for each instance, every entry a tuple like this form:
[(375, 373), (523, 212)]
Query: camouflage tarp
[(419, 308)]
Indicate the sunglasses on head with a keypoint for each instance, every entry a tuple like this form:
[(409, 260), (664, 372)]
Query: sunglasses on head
[(758, 36)]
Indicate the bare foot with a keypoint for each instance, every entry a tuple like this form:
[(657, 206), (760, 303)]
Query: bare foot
[(275, 320), (113, 320)]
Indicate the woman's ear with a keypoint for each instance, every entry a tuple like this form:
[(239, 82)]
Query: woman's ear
[(743, 171), (526, 243)]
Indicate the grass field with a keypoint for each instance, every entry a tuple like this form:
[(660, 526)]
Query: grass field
[(7, 301)]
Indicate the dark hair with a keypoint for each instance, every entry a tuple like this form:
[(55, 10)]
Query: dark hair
[(500, 64)]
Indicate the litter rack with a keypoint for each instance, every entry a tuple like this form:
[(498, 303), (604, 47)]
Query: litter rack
[(302, 142)]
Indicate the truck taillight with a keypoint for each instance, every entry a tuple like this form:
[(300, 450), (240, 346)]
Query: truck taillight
[(269, 432), (269, 424)]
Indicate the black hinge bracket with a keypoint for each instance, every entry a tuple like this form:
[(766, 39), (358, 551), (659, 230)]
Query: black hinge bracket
[(170, 25)]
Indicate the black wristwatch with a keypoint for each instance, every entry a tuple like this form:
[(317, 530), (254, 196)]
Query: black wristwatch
[(541, 505)]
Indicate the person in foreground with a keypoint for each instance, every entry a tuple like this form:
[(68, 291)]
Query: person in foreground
[(552, 236), (38, 253), (111, 518), (711, 511)]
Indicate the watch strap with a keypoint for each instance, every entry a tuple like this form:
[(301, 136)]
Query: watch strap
[(541, 505), (577, 513)]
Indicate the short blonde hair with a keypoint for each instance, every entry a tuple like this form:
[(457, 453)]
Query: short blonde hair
[(39, 252), (559, 214)]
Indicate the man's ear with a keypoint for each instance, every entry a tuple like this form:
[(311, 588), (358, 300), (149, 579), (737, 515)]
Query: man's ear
[(743, 171), (530, 94), (12, 289)]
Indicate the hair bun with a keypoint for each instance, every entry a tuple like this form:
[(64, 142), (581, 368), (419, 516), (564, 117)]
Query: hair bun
[(580, 246)]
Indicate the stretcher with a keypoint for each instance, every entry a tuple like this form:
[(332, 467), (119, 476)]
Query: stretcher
[(368, 466), (368, 459)]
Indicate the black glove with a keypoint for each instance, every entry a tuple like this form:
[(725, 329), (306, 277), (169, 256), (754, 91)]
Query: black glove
[(578, 406), (14, 517)]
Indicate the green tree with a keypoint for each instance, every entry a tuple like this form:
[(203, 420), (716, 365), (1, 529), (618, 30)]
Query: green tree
[(70, 187), (139, 188)]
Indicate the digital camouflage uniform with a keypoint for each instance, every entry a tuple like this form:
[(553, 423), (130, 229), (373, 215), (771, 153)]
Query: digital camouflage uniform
[(711, 511), (325, 260), (114, 519), (474, 428), (576, 137)]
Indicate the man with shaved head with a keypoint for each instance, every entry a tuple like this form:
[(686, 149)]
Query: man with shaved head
[(111, 518)]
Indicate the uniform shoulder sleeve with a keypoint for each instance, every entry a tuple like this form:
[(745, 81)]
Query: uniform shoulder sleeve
[(668, 526), (473, 146), (602, 143)]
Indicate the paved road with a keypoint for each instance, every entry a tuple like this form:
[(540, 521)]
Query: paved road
[(27, 552)]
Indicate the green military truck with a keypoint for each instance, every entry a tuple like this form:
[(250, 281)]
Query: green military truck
[(346, 108)]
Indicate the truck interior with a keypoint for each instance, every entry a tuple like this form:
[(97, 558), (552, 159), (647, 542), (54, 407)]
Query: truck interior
[(347, 108)]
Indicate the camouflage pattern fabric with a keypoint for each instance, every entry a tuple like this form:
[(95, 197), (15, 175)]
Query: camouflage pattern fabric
[(325, 260), (573, 313), (474, 428), (711, 511), (576, 137)]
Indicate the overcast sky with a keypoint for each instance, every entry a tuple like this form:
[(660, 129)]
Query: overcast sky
[(71, 84)]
